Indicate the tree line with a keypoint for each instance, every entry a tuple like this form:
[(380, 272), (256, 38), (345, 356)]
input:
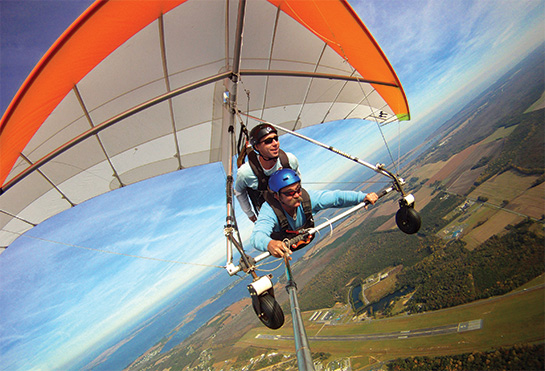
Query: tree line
[(519, 357), (523, 148)]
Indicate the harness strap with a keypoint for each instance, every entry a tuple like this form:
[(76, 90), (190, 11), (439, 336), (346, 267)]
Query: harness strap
[(285, 231), (262, 179), (257, 195)]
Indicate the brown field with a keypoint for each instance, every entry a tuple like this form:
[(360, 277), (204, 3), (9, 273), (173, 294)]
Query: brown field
[(505, 186), (531, 202), (460, 164), (234, 309), (428, 170), (453, 164), (422, 197), (494, 225), (465, 181), (387, 207), (390, 224)]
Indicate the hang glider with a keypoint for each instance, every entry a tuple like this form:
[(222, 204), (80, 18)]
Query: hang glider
[(136, 89)]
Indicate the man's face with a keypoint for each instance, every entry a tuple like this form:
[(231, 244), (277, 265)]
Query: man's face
[(291, 195), (269, 146)]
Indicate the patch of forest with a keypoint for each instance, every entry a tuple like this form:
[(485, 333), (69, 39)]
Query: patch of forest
[(443, 272), (365, 252), (455, 275), (518, 357), (433, 215)]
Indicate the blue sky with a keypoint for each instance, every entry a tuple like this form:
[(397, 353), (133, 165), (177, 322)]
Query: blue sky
[(91, 256)]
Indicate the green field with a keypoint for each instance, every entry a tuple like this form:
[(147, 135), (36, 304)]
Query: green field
[(500, 133), (515, 318)]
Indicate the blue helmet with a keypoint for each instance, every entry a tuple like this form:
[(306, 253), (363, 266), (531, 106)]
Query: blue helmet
[(282, 178)]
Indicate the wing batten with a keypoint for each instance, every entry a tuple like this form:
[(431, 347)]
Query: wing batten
[(100, 127)]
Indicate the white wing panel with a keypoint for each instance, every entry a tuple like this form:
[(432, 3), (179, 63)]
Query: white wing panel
[(127, 72)]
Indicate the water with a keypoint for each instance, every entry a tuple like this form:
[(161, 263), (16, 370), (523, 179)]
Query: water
[(161, 322), (385, 301), (236, 293), (357, 303)]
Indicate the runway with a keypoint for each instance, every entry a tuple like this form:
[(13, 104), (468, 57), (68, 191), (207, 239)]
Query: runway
[(431, 331)]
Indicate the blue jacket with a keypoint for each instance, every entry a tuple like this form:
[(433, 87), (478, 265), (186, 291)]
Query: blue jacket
[(267, 222)]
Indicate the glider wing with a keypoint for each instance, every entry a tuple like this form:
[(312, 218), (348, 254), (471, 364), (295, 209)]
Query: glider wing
[(135, 89)]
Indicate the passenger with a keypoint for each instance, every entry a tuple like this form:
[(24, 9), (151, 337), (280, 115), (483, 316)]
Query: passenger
[(290, 208), (265, 159)]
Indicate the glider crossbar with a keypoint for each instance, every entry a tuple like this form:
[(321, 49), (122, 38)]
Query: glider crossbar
[(314, 230)]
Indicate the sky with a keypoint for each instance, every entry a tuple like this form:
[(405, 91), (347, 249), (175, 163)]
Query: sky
[(123, 253)]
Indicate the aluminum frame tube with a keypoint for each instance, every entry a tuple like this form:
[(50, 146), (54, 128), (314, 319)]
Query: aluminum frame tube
[(231, 132), (375, 168), (302, 348)]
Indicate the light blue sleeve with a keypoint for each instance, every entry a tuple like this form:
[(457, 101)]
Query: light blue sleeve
[(245, 179), (244, 175), (266, 223), (334, 199)]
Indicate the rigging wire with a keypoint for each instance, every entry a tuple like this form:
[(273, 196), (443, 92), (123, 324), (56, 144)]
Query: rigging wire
[(364, 182), (398, 145), (280, 263), (119, 253), (360, 83), (374, 117)]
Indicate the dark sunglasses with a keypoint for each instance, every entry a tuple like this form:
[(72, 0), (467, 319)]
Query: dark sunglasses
[(270, 140), (292, 193)]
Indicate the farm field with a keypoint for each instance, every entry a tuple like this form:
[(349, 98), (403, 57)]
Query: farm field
[(500, 133), (428, 170), (459, 164), (495, 224), (531, 202), (505, 186), (479, 222), (458, 173)]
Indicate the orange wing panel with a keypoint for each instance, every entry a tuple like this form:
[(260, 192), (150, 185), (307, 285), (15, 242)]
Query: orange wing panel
[(80, 48), (336, 23)]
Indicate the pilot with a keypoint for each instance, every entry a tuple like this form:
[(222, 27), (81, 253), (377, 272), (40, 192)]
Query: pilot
[(265, 159), (290, 208)]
